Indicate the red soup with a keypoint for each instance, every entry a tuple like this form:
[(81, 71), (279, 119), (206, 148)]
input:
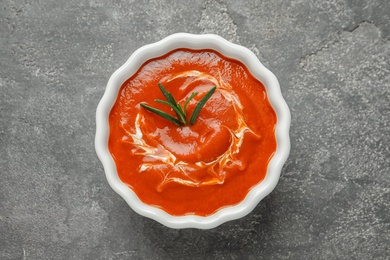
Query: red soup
[(194, 168)]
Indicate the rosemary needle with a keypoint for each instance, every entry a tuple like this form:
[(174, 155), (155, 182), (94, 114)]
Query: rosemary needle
[(162, 114), (200, 105)]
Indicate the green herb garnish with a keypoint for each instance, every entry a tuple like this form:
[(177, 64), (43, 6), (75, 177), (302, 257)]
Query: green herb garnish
[(180, 111)]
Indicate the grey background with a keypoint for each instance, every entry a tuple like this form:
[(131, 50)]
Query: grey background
[(332, 61)]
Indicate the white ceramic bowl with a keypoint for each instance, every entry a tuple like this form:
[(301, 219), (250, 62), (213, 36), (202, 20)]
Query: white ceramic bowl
[(228, 49)]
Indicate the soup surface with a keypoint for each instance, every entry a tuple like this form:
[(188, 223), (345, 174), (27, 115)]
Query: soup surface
[(200, 168)]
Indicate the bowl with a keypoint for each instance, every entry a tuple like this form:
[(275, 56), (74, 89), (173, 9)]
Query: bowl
[(228, 49)]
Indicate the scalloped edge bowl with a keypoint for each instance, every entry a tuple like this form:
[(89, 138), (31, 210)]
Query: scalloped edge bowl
[(228, 49)]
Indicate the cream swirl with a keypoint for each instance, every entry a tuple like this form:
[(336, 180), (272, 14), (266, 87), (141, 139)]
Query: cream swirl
[(188, 163)]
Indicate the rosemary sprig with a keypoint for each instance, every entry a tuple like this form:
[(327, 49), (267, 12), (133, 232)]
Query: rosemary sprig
[(180, 111)]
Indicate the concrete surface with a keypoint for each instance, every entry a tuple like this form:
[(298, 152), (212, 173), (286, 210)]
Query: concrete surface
[(332, 61)]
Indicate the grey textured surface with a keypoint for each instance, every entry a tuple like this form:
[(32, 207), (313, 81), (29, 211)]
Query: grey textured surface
[(332, 61)]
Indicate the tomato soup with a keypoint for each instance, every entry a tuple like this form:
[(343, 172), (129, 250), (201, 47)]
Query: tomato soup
[(200, 168)]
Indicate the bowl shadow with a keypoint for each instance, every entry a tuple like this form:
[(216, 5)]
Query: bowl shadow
[(238, 238)]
